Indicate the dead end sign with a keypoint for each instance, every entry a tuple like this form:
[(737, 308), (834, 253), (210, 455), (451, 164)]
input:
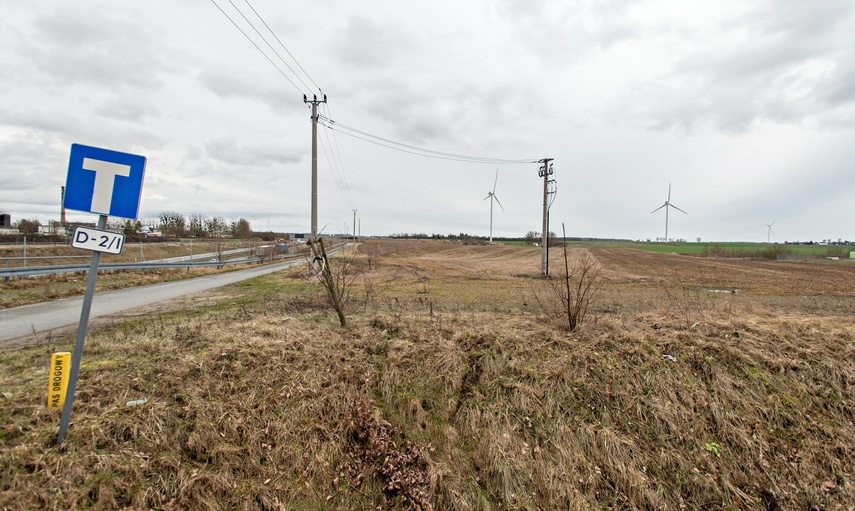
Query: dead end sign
[(107, 183), (104, 181)]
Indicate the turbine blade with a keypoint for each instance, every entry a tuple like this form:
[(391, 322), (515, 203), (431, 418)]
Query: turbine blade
[(487, 197), (496, 181), (678, 209), (497, 200), (657, 209)]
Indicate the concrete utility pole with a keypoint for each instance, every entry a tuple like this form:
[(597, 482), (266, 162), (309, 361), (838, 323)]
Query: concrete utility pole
[(314, 103), (545, 171), (354, 224)]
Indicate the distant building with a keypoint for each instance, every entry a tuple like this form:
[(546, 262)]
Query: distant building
[(53, 227), (6, 224)]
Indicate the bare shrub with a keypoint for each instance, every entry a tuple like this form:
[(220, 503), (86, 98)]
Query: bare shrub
[(576, 289), (336, 279)]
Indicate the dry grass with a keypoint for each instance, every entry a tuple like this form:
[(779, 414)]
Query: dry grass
[(458, 397)]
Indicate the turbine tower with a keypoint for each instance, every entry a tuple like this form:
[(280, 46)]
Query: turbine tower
[(769, 234), (668, 206), (492, 197)]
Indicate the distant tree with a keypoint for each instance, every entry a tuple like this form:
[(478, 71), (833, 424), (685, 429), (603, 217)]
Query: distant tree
[(531, 237), (216, 226), (241, 229), (172, 224), (28, 226), (265, 235), (196, 227), (131, 228)]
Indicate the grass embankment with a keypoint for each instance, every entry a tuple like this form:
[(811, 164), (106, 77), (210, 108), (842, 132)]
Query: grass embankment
[(470, 402)]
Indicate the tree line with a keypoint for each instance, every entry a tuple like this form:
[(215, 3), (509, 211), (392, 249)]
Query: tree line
[(174, 224)]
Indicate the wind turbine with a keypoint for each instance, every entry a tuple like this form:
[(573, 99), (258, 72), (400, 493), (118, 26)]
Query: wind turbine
[(667, 206), (492, 197), (769, 236)]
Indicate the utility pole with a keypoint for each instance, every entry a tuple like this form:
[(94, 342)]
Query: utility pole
[(551, 191), (354, 225), (545, 171), (62, 206), (314, 103)]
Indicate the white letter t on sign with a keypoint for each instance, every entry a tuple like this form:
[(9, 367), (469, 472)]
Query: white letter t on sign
[(105, 177)]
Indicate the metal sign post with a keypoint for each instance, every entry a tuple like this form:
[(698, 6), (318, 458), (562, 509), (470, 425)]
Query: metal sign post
[(81, 336), (108, 183)]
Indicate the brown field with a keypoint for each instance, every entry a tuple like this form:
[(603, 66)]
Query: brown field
[(456, 385)]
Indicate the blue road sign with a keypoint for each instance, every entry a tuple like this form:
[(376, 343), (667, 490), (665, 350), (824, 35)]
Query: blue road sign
[(104, 182)]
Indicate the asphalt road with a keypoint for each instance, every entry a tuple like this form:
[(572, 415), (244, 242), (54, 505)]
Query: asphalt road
[(38, 318)]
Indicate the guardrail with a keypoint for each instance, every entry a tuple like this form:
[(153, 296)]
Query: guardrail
[(75, 268), (27, 271)]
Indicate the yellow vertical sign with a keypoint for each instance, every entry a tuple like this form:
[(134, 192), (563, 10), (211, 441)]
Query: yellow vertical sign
[(60, 365)]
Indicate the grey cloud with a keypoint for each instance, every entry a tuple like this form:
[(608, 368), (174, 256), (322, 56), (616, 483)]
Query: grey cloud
[(840, 88), (561, 33), (34, 168), (277, 94), (124, 109), (58, 124), (95, 47), (47, 120), (776, 75), (416, 113), (226, 84), (799, 18), (367, 44), (260, 154)]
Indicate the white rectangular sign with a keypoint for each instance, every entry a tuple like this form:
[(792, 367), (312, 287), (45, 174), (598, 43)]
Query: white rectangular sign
[(98, 240)]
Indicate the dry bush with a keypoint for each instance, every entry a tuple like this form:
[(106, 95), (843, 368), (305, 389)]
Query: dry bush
[(569, 296), (336, 275)]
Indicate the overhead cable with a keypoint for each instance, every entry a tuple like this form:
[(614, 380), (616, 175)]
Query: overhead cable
[(251, 24), (406, 148), (301, 91), (337, 154), (338, 176), (284, 48)]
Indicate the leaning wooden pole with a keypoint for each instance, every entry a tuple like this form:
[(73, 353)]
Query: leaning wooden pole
[(320, 253)]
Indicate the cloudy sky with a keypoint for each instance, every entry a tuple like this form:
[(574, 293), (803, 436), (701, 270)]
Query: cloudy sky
[(746, 108)]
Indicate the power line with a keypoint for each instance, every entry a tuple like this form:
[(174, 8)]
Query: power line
[(338, 175), (406, 148), (268, 42), (256, 46), (337, 154), (284, 48)]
